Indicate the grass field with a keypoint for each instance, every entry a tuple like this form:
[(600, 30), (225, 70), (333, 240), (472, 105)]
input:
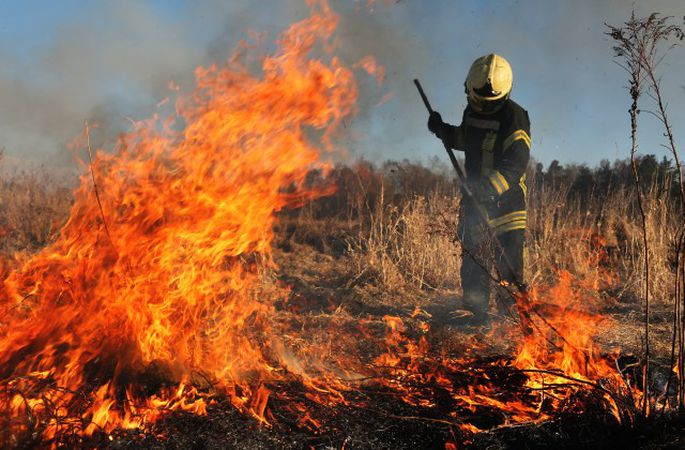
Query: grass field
[(387, 235), (384, 244)]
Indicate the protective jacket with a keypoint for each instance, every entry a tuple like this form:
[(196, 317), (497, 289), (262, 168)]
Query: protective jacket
[(497, 150)]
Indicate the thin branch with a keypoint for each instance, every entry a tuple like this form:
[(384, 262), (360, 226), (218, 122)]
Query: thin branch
[(95, 187)]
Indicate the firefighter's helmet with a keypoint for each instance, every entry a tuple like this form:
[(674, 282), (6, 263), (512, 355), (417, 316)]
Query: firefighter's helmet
[(488, 83)]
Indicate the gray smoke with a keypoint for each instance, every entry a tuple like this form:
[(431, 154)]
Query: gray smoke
[(114, 62), (112, 65)]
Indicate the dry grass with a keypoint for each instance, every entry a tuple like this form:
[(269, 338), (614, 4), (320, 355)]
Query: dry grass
[(387, 237), (562, 231), (396, 226), (411, 244), (409, 241), (33, 206)]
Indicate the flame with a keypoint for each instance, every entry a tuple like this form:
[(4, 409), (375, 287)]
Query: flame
[(369, 64), (567, 317), (159, 267), (557, 362)]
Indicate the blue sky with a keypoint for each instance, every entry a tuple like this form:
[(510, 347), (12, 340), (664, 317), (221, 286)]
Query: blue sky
[(70, 60)]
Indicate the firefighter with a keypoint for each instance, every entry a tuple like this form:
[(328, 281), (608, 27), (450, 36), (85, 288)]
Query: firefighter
[(495, 137)]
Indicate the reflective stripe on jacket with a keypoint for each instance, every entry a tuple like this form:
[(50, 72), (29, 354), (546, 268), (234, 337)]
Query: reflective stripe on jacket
[(497, 149)]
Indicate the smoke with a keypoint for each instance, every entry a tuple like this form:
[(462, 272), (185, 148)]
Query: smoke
[(364, 29), (112, 63), (112, 60), (383, 33)]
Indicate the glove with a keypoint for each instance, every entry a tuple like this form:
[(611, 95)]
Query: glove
[(435, 123)]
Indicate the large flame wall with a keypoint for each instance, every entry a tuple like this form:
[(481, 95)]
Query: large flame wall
[(168, 269)]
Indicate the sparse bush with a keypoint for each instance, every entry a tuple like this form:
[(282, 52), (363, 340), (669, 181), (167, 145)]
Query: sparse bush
[(411, 244), (33, 206)]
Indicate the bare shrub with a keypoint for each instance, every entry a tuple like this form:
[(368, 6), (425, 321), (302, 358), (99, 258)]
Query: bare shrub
[(33, 206), (411, 244)]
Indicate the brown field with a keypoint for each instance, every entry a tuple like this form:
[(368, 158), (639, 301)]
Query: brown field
[(387, 234), (387, 237), (384, 244)]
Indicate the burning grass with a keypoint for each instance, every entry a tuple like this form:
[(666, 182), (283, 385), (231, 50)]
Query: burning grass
[(172, 300)]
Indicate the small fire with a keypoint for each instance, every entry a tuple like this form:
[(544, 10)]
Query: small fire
[(555, 364)]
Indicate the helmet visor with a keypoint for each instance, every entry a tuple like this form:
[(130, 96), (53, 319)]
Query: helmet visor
[(484, 104), (487, 91)]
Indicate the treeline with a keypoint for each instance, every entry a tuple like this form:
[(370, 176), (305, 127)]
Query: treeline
[(584, 182), (364, 185)]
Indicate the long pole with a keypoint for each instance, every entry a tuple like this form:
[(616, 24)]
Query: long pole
[(450, 153)]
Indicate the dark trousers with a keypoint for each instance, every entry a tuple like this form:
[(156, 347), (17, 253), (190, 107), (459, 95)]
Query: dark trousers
[(478, 256)]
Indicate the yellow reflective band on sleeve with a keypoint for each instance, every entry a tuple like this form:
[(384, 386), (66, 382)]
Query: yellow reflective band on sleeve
[(522, 183), (511, 226), (498, 182), (507, 218), (515, 136)]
